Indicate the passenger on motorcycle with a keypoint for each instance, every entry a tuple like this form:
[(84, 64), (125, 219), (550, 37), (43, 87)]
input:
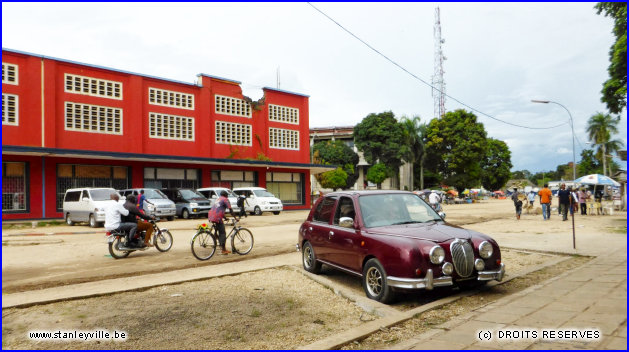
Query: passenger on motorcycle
[(131, 206), (216, 215), (113, 220)]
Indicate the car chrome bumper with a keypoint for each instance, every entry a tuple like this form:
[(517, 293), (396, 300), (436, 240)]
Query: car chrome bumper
[(427, 283), (492, 274)]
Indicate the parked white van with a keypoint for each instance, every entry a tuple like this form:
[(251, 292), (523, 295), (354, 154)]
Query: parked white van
[(260, 200), (86, 204), (212, 193)]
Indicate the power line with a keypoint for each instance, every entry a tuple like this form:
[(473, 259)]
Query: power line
[(423, 81)]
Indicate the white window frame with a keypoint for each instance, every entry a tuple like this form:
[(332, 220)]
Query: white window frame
[(5, 115), (284, 114), (231, 106), (232, 133), (186, 100), (280, 138), (98, 109), (167, 121), (5, 73), (89, 81)]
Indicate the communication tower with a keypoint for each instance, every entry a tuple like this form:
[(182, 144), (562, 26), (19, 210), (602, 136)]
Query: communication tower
[(439, 85)]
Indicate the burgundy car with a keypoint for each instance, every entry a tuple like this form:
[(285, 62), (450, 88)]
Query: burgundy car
[(394, 240)]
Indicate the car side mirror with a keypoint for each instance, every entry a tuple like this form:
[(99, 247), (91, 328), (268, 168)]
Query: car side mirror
[(85, 199), (442, 214), (251, 196), (214, 196), (346, 222)]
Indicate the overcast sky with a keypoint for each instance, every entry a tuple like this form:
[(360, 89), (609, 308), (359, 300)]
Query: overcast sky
[(499, 57)]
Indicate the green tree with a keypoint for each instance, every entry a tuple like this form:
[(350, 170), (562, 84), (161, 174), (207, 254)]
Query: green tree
[(615, 88), (340, 154), (496, 165), (455, 145), (600, 128), (333, 179), (520, 174), (381, 139), (414, 132), (378, 173), (589, 164)]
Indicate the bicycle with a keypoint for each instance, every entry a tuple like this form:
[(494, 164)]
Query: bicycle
[(203, 243)]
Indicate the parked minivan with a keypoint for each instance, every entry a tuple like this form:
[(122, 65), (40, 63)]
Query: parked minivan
[(157, 203), (260, 200), (86, 204), (212, 193), (188, 202)]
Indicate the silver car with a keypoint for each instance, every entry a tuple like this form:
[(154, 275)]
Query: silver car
[(157, 203)]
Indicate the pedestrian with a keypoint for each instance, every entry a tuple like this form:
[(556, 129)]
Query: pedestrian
[(531, 198), (545, 197), (515, 197), (582, 199), (241, 202), (141, 199), (564, 201)]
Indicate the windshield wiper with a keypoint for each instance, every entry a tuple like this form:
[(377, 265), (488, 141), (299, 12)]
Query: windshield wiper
[(406, 222)]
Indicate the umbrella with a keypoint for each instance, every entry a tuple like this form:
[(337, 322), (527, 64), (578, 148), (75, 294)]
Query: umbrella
[(596, 179), (453, 192), (499, 192), (466, 191)]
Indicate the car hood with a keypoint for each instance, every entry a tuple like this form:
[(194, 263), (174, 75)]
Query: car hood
[(160, 201), (435, 231)]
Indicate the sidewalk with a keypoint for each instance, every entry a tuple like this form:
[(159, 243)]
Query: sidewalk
[(592, 297)]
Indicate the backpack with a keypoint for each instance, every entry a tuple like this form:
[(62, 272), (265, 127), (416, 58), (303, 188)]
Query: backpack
[(240, 202)]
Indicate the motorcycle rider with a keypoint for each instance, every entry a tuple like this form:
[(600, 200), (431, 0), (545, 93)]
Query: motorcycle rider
[(131, 205), (113, 220)]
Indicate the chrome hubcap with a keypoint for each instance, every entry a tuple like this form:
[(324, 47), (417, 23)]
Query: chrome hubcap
[(308, 257), (374, 281)]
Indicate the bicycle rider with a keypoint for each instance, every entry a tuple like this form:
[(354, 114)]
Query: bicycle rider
[(216, 215)]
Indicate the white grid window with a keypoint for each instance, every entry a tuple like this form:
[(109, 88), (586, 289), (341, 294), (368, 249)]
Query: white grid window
[(232, 106), (283, 114), (93, 86), (9, 73), (93, 118), (9, 109), (171, 127), (169, 98), (283, 139), (233, 133)]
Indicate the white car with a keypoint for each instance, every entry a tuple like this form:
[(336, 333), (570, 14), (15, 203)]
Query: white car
[(212, 193), (86, 205), (260, 200)]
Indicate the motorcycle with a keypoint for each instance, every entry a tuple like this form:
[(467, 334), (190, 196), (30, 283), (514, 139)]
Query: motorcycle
[(120, 248)]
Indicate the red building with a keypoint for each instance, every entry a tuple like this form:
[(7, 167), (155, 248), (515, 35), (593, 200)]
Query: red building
[(67, 124)]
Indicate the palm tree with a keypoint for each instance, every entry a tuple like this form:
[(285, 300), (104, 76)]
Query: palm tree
[(600, 128), (414, 152)]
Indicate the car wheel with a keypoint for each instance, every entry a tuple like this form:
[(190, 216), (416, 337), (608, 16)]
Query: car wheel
[(276, 212), (170, 218), (309, 259), (185, 214), (69, 221), (92, 221), (375, 282), (257, 211)]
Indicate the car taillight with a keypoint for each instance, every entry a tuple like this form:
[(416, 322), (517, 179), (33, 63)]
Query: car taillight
[(498, 262)]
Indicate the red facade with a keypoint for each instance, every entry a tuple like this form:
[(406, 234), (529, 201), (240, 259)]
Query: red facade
[(44, 135)]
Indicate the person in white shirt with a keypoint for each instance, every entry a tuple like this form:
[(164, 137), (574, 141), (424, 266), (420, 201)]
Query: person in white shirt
[(112, 218), (434, 200)]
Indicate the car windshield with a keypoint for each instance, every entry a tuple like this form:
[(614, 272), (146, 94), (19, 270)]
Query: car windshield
[(154, 194), (395, 209), (230, 193), (263, 193), (101, 194), (190, 194)]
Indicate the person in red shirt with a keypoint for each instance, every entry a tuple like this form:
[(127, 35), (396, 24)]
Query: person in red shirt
[(216, 215), (546, 197)]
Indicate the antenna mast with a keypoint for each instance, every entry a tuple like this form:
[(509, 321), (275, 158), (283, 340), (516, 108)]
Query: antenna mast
[(439, 90)]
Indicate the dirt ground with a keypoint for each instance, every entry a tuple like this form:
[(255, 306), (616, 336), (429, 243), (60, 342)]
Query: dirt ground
[(268, 309)]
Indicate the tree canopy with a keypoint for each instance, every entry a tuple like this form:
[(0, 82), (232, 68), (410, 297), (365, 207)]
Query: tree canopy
[(340, 154), (455, 145), (615, 88), (378, 173), (333, 179), (496, 165), (381, 139)]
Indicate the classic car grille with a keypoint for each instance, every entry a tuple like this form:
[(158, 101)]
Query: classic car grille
[(462, 257)]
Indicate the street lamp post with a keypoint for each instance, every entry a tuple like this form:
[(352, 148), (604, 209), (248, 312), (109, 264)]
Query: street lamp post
[(574, 157), (574, 162)]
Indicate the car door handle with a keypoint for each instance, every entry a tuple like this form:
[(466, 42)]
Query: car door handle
[(310, 229), (330, 234)]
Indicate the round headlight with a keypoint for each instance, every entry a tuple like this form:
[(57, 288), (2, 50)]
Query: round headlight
[(479, 264), (485, 250), (447, 268), (437, 255)]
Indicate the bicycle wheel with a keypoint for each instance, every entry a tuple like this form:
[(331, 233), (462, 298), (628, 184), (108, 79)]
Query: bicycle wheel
[(163, 240), (242, 241), (203, 245)]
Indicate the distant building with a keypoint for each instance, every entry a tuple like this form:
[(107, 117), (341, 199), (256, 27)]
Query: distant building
[(346, 134)]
